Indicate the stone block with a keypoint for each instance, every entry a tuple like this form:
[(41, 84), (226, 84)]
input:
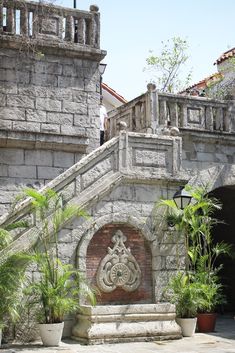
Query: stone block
[(73, 130), (36, 115), (11, 156), (60, 118), (2, 100), (48, 104), (72, 82), (8, 88), (20, 101), (45, 80), (12, 113), (48, 172), (48, 68), (3, 170), (82, 120), (6, 124), (38, 157), (22, 171), (73, 107), (53, 128), (63, 159), (26, 126)]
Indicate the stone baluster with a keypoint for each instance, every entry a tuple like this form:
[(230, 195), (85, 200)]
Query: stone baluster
[(174, 115), (1, 16), (183, 115), (81, 31), (228, 118), (94, 39), (24, 22), (10, 15), (69, 29), (209, 119), (219, 119), (162, 113)]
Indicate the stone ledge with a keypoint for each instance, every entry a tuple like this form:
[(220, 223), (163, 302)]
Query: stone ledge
[(126, 323), (31, 140), (55, 47)]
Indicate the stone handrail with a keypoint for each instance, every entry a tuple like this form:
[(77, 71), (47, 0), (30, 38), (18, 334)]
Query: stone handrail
[(131, 156), (49, 22), (153, 111)]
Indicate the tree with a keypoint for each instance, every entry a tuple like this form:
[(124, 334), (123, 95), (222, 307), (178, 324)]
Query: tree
[(166, 67)]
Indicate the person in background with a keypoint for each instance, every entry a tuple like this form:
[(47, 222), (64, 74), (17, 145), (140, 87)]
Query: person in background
[(103, 121)]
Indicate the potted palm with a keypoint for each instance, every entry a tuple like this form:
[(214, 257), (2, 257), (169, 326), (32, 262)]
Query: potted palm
[(196, 223), (59, 286), (210, 296), (182, 292), (12, 278)]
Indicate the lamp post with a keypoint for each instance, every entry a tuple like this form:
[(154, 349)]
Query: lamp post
[(182, 198), (75, 24), (102, 68)]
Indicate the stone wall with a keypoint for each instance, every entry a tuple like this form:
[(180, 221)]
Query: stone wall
[(49, 93)]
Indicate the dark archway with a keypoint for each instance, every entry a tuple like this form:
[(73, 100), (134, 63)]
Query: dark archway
[(226, 232)]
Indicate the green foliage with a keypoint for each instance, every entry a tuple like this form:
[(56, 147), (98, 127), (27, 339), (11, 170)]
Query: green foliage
[(12, 276), (60, 285), (195, 222), (184, 294), (166, 67)]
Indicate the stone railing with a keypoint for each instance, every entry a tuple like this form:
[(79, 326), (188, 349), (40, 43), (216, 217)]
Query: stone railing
[(154, 111), (131, 156), (49, 22)]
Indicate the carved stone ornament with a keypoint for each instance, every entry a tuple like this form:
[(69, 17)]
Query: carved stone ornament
[(118, 268)]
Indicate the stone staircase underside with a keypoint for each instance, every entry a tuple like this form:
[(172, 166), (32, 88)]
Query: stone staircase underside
[(128, 158)]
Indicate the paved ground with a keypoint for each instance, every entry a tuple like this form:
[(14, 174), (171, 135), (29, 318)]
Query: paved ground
[(221, 341)]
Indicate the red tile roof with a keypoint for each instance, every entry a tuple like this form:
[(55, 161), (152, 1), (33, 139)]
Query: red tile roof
[(203, 83), (228, 54), (113, 93)]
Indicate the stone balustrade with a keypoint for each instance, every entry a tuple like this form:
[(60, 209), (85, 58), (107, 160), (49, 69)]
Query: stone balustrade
[(154, 111), (48, 22)]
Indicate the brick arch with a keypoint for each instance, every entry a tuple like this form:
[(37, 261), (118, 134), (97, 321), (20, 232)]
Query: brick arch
[(97, 250)]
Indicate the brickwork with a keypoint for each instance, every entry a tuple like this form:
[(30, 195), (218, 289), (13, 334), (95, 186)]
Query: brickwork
[(97, 250)]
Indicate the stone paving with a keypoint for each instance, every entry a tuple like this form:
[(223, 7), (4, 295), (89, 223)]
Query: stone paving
[(220, 341)]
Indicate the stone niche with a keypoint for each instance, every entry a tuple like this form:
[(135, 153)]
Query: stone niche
[(119, 264)]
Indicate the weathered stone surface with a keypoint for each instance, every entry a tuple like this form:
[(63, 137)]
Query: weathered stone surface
[(155, 321)]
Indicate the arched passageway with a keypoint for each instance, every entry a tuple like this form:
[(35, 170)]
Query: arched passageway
[(226, 232)]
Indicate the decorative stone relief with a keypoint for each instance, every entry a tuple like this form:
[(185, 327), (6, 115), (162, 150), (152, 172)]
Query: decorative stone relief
[(118, 268)]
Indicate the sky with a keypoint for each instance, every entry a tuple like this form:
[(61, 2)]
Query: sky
[(130, 28)]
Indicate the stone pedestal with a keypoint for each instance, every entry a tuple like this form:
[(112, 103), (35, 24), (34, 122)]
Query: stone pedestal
[(126, 323)]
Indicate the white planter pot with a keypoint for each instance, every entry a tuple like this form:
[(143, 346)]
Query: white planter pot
[(51, 333), (188, 326)]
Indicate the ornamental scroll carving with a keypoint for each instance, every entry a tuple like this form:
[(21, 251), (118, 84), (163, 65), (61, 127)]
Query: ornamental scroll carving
[(118, 268)]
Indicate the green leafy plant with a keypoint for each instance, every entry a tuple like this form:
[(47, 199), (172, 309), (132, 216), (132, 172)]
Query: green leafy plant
[(12, 276), (184, 293), (59, 285), (195, 222)]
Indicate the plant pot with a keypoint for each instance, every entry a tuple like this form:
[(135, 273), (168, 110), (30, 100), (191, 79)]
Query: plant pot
[(51, 333), (206, 322), (188, 325)]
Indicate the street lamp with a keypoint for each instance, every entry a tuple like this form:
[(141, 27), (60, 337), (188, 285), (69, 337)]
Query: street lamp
[(182, 198), (75, 24), (102, 68)]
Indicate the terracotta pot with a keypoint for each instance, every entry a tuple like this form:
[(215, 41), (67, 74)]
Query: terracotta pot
[(206, 322)]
